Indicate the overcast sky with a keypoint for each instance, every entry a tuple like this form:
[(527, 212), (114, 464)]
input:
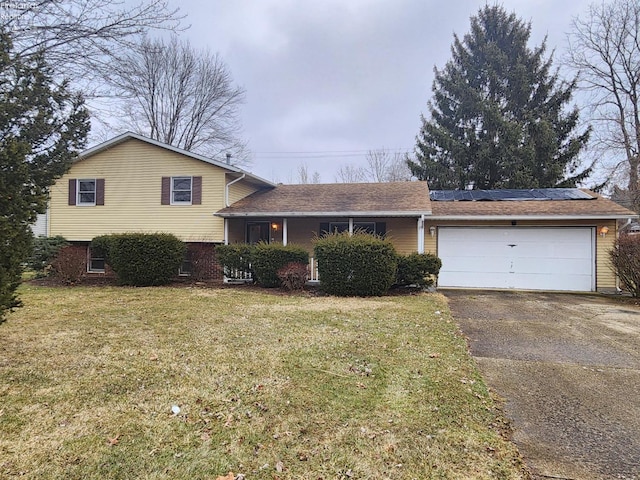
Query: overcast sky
[(328, 80)]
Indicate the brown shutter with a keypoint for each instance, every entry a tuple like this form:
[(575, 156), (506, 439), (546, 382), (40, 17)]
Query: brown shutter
[(196, 191), (72, 191), (99, 191), (165, 198)]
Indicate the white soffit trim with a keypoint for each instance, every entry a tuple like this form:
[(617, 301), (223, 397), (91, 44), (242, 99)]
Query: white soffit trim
[(327, 214), (530, 217)]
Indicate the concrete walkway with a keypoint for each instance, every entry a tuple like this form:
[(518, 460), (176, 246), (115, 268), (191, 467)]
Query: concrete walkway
[(568, 368)]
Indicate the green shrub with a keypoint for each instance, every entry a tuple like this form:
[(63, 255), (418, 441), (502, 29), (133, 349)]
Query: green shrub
[(45, 250), (236, 259), (142, 259), (294, 275), (268, 258), (355, 265), (418, 269)]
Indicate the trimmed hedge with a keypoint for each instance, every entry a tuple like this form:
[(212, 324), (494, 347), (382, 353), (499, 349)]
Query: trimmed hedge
[(360, 264), (142, 259), (418, 269), (268, 258)]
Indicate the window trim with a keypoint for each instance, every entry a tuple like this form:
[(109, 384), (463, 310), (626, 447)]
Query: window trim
[(172, 191), (80, 203)]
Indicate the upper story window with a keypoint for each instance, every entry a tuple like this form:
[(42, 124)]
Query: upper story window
[(181, 188), (86, 191)]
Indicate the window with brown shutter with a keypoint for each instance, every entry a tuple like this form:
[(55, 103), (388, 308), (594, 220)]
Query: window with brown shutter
[(196, 198), (99, 191), (72, 191), (181, 190), (165, 198)]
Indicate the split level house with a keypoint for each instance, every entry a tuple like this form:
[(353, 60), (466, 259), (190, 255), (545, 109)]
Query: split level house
[(543, 239)]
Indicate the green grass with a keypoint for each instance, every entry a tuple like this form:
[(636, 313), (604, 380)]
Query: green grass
[(269, 386)]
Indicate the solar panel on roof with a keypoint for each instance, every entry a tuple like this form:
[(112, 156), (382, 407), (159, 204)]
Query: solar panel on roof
[(509, 195)]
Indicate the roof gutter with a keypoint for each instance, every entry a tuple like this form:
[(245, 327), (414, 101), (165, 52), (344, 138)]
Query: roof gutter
[(356, 214), (226, 188), (603, 216)]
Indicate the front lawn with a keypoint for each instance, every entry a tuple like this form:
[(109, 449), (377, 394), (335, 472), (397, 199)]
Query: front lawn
[(263, 385)]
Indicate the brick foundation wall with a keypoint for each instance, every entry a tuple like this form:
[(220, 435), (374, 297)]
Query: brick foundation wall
[(204, 262)]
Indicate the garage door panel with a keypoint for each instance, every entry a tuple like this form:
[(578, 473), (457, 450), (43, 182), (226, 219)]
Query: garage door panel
[(472, 279), (575, 266), (483, 264), (540, 258)]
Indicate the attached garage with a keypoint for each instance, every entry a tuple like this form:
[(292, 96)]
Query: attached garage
[(537, 239), (528, 258)]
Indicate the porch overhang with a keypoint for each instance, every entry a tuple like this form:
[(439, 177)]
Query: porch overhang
[(355, 214)]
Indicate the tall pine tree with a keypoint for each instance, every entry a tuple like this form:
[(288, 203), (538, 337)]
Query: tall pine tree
[(42, 127), (498, 116)]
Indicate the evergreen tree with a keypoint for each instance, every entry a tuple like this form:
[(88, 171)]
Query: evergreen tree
[(498, 117), (42, 127)]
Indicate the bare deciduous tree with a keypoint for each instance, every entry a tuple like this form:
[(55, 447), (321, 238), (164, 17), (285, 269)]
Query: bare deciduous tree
[(385, 166), (180, 96), (605, 48), (351, 174), (82, 35), (304, 176), (382, 166)]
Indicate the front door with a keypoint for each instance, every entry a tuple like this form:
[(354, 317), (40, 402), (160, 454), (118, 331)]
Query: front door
[(257, 232)]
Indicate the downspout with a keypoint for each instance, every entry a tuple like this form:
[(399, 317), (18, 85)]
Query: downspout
[(620, 230), (226, 188), (421, 234), (624, 227)]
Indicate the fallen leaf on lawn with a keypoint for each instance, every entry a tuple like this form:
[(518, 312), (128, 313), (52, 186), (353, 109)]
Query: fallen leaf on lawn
[(361, 385), (434, 355), (229, 476), (279, 467), (153, 357), (113, 441)]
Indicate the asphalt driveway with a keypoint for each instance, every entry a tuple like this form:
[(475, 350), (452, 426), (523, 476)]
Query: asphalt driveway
[(568, 368)]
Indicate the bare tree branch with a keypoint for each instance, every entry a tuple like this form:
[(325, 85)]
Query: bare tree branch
[(382, 166), (304, 176), (181, 96), (80, 37), (605, 49)]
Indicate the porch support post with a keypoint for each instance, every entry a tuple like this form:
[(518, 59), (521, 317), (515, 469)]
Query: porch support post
[(285, 232), (350, 226), (226, 231), (421, 234)]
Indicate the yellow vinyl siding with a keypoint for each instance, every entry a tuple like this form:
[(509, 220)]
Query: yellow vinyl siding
[(605, 277), (133, 172), (403, 232), (239, 190)]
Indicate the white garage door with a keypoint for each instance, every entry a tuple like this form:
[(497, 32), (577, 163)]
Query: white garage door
[(517, 257)]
